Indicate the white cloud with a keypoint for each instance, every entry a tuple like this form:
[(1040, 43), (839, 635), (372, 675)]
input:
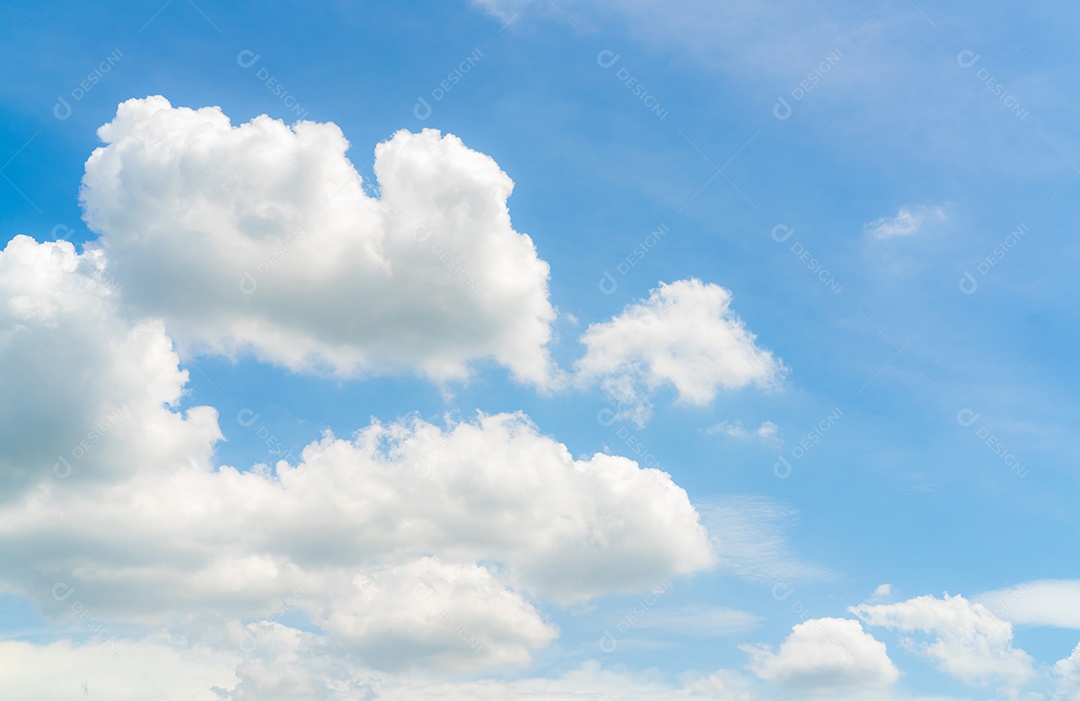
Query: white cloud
[(824, 655), (1048, 602), (352, 523), (908, 221), (1067, 676), (883, 590), (767, 432), (462, 614), (290, 665), (685, 336), (93, 390), (261, 237), (98, 670), (146, 532), (970, 642)]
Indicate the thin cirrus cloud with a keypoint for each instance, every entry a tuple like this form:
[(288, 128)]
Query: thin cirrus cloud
[(750, 536), (767, 432), (907, 221)]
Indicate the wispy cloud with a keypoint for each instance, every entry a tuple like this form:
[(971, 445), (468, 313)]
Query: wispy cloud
[(767, 432), (907, 222)]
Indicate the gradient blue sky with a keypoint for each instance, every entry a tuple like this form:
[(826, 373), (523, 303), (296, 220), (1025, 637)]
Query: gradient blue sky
[(899, 170)]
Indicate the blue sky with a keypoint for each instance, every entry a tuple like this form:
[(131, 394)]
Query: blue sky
[(813, 261)]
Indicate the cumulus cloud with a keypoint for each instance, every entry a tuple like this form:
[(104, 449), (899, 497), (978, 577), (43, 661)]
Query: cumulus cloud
[(407, 543), (906, 222), (1067, 675), (94, 391), (97, 669), (686, 336), (825, 655), (261, 237), (293, 664), (970, 642), (1047, 602), (347, 531)]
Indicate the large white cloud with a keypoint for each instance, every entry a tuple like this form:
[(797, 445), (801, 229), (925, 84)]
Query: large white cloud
[(825, 655), (261, 237), (294, 665), (86, 395), (685, 335), (468, 492), (971, 643), (407, 544)]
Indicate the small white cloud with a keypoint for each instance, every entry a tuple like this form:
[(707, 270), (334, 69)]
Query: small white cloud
[(823, 655), (971, 643), (883, 590), (908, 221), (767, 432), (685, 336)]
